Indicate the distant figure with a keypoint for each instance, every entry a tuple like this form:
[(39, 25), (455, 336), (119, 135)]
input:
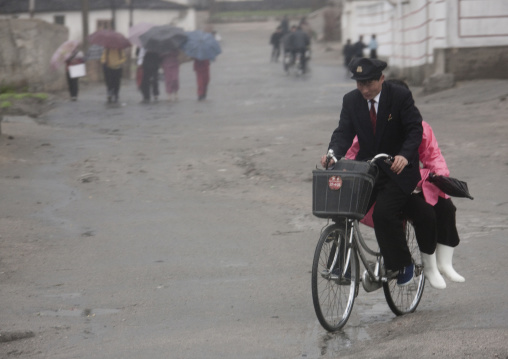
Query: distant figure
[(299, 43), (151, 63), (347, 52), (76, 58), (358, 47), (305, 26), (275, 42), (140, 54), (202, 69), (112, 61), (330, 17), (171, 66), (373, 47), (284, 25)]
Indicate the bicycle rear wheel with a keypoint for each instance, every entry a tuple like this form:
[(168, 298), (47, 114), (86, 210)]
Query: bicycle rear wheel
[(333, 289), (403, 300)]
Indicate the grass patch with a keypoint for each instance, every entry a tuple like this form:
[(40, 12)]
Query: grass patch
[(5, 104), (261, 13), (19, 96)]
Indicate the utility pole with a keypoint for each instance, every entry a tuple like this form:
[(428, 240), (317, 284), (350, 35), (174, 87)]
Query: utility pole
[(84, 20), (31, 8), (131, 17), (113, 15)]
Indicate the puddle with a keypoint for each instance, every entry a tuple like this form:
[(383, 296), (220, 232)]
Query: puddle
[(369, 308)]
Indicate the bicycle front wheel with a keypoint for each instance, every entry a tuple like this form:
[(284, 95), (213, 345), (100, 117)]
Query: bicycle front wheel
[(334, 278), (404, 300)]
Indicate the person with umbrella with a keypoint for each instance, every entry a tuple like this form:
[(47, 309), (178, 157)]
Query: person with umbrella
[(158, 41), (430, 209), (202, 47), (112, 59), (150, 79), (68, 54), (76, 58)]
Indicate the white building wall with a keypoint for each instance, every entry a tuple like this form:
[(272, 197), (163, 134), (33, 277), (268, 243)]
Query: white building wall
[(409, 31)]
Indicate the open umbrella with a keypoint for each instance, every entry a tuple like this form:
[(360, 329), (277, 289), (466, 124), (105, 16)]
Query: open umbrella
[(137, 30), (451, 186), (109, 39), (64, 51), (201, 45), (163, 39)]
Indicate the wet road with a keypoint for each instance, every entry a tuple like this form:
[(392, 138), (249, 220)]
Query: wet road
[(183, 230)]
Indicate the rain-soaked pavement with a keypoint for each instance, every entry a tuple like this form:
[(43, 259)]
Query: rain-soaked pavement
[(184, 230)]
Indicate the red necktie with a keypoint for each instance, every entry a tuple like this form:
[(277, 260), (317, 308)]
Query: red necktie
[(373, 115)]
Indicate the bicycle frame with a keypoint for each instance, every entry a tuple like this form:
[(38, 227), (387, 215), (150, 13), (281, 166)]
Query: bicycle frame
[(357, 244)]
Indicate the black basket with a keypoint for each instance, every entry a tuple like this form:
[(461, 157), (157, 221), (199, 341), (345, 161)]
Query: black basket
[(343, 191)]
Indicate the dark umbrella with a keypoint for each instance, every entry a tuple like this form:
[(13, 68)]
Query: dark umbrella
[(201, 45), (451, 186), (109, 39), (163, 39)]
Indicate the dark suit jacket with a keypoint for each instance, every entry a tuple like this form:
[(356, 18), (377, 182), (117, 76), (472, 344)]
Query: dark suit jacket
[(398, 131)]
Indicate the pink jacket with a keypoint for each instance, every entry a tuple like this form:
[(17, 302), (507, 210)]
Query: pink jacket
[(432, 161)]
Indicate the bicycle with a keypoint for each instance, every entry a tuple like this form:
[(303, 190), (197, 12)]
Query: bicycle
[(342, 195)]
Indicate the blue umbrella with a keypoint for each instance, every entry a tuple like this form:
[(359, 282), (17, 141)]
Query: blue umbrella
[(201, 45)]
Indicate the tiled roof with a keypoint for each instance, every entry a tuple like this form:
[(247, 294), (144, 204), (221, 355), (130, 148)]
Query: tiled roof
[(21, 6)]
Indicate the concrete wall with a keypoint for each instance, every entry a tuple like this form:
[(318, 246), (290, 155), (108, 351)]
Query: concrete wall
[(27, 47), (469, 63), (464, 34)]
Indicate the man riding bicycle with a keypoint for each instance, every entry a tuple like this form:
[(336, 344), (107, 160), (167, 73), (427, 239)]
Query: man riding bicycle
[(385, 119)]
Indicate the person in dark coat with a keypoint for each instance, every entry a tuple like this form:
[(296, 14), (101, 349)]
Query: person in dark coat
[(151, 63), (347, 52), (300, 43), (386, 120), (275, 42), (284, 25), (358, 47)]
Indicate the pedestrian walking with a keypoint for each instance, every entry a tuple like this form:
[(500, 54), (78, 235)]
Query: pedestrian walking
[(300, 44), (373, 47), (358, 47), (150, 81), (112, 61), (171, 67), (140, 54), (331, 18), (76, 58), (202, 69), (347, 53), (275, 42), (284, 25)]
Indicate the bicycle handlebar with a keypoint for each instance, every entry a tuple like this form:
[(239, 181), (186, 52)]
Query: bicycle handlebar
[(388, 158)]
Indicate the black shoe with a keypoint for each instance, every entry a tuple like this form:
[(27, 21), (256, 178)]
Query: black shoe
[(342, 279)]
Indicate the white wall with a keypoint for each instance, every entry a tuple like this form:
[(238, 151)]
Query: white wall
[(409, 31)]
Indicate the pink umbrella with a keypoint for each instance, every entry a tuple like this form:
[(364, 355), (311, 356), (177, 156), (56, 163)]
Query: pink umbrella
[(137, 30), (64, 51), (109, 39)]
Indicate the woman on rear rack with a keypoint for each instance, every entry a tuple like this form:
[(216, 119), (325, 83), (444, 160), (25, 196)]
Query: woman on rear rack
[(431, 211)]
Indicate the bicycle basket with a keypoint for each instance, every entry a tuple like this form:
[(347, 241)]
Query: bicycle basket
[(343, 191)]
